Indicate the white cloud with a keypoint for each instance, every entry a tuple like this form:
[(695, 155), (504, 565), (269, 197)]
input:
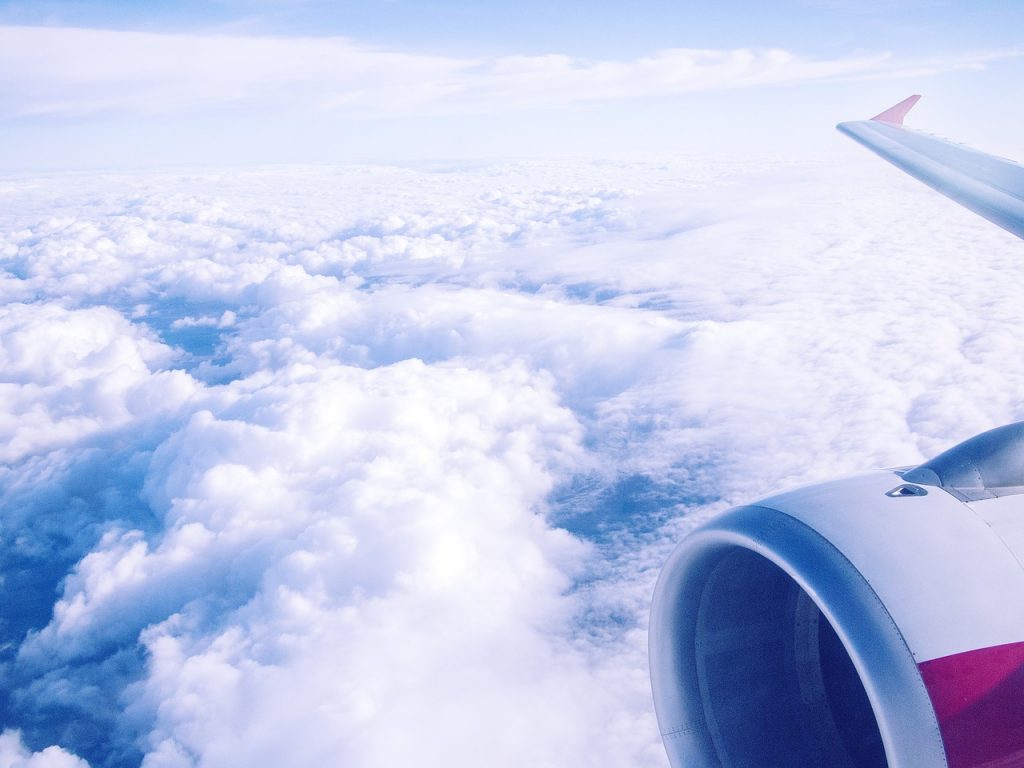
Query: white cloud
[(68, 71), (377, 465), (66, 375), (14, 754)]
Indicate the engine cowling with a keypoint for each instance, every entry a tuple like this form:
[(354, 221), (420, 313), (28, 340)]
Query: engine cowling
[(876, 620)]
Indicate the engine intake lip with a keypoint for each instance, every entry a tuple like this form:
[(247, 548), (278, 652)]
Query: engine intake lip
[(887, 669)]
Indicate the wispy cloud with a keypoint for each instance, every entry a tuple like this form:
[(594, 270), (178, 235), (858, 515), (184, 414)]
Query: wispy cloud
[(67, 71)]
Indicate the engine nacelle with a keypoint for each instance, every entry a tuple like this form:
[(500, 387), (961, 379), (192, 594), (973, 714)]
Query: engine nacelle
[(876, 620)]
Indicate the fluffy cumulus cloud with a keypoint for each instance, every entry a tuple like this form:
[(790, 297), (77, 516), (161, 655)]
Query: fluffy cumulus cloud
[(13, 754), (376, 465)]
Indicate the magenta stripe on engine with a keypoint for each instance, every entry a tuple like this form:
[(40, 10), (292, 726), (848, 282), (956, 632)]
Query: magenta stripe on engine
[(979, 702)]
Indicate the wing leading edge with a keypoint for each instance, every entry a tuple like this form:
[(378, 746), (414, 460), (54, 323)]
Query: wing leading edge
[(990, 186)]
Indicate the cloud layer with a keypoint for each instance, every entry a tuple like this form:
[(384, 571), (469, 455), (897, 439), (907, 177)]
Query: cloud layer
[(377, 465), (72, 72)]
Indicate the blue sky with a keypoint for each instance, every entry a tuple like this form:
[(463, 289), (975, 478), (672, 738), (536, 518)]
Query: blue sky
[(457, 79), (578, 28)]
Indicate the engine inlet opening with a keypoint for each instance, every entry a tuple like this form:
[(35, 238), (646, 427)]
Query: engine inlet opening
[(776, 684)]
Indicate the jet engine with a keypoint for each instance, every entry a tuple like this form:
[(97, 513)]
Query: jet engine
[(876, 620)]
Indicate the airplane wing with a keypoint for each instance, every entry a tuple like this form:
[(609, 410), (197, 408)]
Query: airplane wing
[(990, 186)]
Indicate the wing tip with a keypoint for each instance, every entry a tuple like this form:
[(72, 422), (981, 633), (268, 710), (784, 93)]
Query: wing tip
[(894, 115)]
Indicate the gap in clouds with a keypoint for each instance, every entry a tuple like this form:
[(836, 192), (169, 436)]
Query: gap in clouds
[(293, 455)]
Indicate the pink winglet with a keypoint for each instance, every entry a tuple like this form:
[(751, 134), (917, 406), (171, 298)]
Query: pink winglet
[(895, 115)]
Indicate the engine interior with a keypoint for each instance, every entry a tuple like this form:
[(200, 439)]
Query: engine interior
[(775, 683)]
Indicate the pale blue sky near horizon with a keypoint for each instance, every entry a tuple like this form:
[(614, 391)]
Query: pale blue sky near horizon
[(441, 79), (573, 27)]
